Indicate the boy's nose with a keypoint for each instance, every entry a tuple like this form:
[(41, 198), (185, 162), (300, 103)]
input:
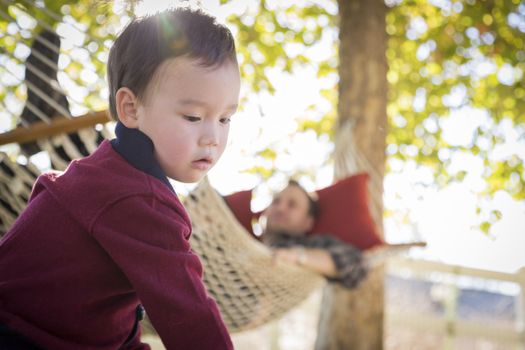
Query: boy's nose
[(210, 136)]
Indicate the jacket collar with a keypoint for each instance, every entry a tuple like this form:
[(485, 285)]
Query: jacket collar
[(138, 150)]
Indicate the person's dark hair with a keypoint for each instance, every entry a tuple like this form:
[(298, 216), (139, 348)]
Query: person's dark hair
[(313, 205), (147, 42)]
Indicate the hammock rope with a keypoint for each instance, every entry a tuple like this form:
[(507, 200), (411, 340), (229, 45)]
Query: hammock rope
[(48, 96), (62, 150), (348, 161), (16, 182), (46, 64), (239, 271)]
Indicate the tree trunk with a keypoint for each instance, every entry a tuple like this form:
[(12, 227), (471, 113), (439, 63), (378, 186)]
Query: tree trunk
[(354, 319)]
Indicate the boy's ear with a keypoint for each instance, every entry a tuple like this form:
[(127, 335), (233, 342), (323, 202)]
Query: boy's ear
[(127, 106)]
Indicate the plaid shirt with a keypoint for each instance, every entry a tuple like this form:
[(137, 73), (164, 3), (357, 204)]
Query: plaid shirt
[(348, 260)]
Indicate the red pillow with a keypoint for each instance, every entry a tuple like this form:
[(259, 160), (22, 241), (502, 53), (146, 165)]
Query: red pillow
[(240, 205), (343, 212)]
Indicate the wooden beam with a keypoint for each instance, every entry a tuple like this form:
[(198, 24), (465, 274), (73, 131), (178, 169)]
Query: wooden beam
[(59, 125), (422, 267)]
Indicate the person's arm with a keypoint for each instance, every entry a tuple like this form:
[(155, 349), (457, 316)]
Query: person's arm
[(350, 265), (338, 261), (148, 241), (314, 259)]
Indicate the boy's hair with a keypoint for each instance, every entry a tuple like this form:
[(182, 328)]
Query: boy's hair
[(313, 205), (147, 42)]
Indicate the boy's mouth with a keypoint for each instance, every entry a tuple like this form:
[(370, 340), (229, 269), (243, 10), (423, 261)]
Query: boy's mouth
[(202, 163)]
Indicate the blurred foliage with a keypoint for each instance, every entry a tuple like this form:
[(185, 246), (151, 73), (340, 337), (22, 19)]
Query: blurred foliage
[(91, 27), (266, 35), (457, 47), (445, 58)]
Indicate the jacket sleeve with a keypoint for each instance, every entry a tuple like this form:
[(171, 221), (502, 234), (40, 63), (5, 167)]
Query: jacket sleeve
[(148, 240)]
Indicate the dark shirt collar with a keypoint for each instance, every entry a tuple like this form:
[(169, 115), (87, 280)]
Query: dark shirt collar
[(138, 150)]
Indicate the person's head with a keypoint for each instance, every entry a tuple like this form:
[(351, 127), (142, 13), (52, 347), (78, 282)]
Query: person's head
[(292, 211), (174, 76)]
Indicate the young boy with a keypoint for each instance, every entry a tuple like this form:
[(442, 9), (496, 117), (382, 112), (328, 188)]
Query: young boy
[(109, 233)]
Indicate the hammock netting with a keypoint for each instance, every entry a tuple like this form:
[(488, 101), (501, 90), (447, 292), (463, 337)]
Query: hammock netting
[(16, 180), (238, 270)]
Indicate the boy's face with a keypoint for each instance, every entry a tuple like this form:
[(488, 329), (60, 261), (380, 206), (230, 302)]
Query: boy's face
[(186, 114)]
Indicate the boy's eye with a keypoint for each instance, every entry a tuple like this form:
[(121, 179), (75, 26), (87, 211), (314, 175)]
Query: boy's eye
[(225, 120), (192, 118)]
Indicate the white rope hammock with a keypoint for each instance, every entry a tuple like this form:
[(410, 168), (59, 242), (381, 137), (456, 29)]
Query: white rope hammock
[(16, 182), (44, 66), (239, 272), (43, 90), (62, 150)]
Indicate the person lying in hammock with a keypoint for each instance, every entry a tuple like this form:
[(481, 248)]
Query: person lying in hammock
[(289, 217)]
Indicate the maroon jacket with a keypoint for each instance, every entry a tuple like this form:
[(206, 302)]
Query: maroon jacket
[(93, 243)]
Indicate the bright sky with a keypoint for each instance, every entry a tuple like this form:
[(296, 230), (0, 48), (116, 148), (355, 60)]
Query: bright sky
[(446, 218)]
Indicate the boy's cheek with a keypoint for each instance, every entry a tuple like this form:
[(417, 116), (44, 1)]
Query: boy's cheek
[(224, 137)]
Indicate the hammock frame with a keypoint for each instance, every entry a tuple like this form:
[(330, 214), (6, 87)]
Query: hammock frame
[(58, 125)]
